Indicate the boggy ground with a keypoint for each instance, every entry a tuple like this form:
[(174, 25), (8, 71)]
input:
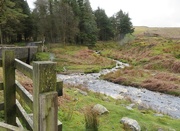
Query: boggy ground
[(154, 60)]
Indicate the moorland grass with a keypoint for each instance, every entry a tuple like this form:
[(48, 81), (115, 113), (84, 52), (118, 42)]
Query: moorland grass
[(148, 56)]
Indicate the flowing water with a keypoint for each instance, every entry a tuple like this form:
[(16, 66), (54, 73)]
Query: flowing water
[(159, 102)]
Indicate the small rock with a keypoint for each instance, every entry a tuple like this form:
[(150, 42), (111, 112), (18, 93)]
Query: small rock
[(160, 129), (105, 99), (100, 109), (159, 115), (139, 102), (123, 91), (140, 107), (143, 90), (75, 99), (120, 97), (81, 92), (123, 105), (130, 124), (139, 95), (75, 93), (172, 129), (129, 108), (132, 105), (143, 107)]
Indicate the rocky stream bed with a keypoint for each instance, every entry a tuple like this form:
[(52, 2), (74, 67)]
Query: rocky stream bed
[(159, 102)]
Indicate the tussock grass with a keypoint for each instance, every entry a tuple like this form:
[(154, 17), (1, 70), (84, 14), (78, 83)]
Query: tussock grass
[(91, 119)]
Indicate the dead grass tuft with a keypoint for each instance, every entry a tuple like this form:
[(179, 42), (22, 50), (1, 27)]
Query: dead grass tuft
[(91, 119), (161, 86), (25, 81), (167, 77), (82, 54), (28, 86), (1, 74), (81, 87), (119, 80), (163, 82), (176, 67), (63, 99)]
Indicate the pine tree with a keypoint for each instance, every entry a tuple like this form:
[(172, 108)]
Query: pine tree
[(124, 24), (24, 27), (10, 16), (41, 14), (105, 29), (67, 24), (87, 24)]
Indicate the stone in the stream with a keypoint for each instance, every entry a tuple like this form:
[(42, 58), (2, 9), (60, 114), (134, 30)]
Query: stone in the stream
[(130, 124), (139, 101), (100, 109), (139, 95), (123, 91)]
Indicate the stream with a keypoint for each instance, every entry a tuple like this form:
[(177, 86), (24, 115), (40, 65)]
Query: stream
[(159, 102)]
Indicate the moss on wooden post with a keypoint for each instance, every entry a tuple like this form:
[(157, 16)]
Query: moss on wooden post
[(48, 111), (9, 87), (44, 81)]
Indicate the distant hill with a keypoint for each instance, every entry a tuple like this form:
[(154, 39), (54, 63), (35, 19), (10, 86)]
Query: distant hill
[(167, 32)]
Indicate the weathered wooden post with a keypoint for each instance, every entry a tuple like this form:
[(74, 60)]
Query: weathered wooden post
[(45, 104), (9, 87)]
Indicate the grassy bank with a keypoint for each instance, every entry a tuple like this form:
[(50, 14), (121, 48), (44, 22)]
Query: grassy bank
[(73, 104), (154, 60), (75, 59)]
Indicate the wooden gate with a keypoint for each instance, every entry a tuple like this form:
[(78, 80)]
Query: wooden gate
[(43, 103)]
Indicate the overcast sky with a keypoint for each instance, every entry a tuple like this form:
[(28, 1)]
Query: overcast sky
[(152, 13)]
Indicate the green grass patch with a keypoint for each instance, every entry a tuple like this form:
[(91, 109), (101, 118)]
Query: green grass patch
[(73, 104), (42, 56)]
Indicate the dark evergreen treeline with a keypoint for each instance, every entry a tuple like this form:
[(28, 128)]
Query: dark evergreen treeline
[(66, 21)]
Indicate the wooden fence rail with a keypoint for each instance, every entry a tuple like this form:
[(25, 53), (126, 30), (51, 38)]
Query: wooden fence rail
[(43, 103)]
